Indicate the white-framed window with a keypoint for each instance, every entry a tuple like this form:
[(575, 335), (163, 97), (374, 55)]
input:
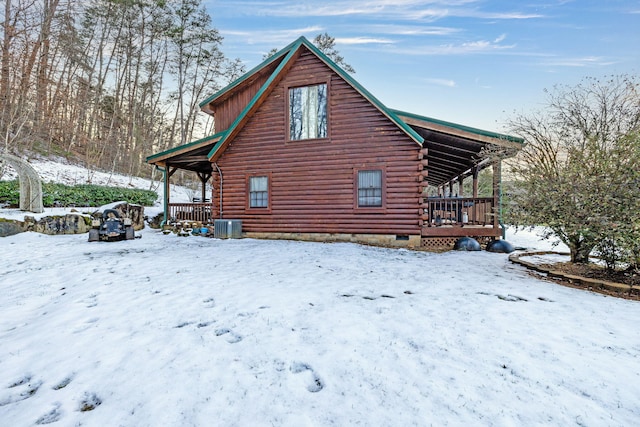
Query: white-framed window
[(308, 112), (259, 192), (370, 188)]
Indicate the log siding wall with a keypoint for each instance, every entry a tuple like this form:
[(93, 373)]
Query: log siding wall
[(227, 112), (312, 184)]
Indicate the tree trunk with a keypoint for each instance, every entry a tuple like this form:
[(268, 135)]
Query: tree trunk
[(580, 253)]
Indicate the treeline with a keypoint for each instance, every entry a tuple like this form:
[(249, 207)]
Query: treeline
[(107, 81)]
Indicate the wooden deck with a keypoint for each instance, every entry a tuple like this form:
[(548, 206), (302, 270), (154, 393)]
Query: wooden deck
[(460, 211), (201, 212), (446, 219)]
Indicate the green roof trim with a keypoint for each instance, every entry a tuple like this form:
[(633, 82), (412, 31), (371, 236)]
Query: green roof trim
[(464, 128), (248, 74), (288, 53), (256, 97), (181, 147), (346, 76)]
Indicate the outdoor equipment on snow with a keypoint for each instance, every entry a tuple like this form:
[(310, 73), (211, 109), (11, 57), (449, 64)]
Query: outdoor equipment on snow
[(111, 227)]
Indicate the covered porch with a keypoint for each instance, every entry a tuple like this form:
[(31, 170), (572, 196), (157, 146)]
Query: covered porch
[(192, 157), (453, 155)]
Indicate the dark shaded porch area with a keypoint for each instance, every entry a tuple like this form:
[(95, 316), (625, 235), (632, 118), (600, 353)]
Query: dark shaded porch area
[(450, 155), (192, 157)]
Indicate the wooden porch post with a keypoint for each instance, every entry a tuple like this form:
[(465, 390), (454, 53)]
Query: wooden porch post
[(168, 172), (460, 185), (423, 184), (204, 177), (165, 175), (474, 172), (497, 209)]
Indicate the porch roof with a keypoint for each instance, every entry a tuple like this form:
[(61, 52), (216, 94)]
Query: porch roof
[(191, 156), (455, 149)]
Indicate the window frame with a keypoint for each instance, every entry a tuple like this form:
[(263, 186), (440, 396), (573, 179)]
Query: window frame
[(258, 209), (287, 96), (356, 187)]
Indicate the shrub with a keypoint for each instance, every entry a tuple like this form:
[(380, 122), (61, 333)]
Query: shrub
[(54, 194)]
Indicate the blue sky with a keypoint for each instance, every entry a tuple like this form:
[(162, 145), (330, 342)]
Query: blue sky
[(472, 62)]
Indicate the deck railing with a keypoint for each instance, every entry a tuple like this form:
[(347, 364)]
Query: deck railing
[(190, 212), (459, 211)]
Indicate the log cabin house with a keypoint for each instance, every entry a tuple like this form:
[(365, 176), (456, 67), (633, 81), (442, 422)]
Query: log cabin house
[(303, 151)]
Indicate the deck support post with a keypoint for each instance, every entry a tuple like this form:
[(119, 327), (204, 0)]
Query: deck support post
[(204, 177), (474, 172), (497, 196), (168, 172)]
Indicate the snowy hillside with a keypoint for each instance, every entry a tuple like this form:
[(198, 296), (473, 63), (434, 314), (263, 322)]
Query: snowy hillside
[(173, 331), (58, 170)]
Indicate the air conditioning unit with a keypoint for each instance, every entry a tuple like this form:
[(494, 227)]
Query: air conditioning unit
[(227, 228)]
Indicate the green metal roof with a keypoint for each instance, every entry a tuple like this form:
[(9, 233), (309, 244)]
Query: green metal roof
[(184, 146), (248, 75), (346, 76), (285, 55), (253, 102), (288, 53), (462, 127)]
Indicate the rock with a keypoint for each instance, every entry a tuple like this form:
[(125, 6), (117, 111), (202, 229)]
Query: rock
[(134, 212), (58, 224), (9, 227)]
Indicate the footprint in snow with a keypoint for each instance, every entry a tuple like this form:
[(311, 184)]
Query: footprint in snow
[(203, 324), (209, 302), (313, 381), (230, 336), (50, 417), (182, 325), (511, 298), (86, 325), (89, 402), (21, 389), (90, 301), (62, 384), (20, 381)]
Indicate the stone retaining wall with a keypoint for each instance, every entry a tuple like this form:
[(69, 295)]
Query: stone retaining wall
[(71, 223)]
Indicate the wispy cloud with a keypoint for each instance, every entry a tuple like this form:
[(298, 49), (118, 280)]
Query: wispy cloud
[(502, 15), (586, 61), (435, 14), (471, 47), (417, 30), (362, 40), (500, 38), (416, 10), (441, 82), (277, 38)]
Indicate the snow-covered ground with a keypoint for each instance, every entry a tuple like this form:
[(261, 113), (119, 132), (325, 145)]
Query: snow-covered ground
[(174, 331)]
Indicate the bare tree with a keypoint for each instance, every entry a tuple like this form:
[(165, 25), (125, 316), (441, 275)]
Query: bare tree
[(106, 81)]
